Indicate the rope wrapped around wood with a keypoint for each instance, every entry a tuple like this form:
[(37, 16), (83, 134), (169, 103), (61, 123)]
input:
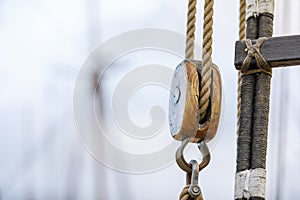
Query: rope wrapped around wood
[(253, 51), (184, 195)]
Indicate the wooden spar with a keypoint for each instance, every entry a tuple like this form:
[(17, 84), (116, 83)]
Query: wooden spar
[(278, 51)]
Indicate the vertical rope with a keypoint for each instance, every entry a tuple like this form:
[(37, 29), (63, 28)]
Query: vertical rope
[(242, 27), (206, 57), (242, 36), (190, 32)]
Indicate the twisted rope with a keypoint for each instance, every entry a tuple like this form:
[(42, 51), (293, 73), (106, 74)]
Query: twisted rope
[(206, 57), (242, 36), (190, 33), (242, 27), (184, 195)]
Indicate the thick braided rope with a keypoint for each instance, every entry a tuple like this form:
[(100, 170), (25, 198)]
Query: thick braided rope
[(206, 57), (242, 36), (184, 195), (190, 32)]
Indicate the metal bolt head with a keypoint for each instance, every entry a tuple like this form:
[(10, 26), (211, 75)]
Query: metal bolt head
[(195, 191), (177, 94)]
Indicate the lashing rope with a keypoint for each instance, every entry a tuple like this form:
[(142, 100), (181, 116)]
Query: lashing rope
[(253, 51)]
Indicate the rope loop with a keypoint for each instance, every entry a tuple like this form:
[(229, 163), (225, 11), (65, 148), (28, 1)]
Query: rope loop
[(253, 51), (185, 195), (206, 48)]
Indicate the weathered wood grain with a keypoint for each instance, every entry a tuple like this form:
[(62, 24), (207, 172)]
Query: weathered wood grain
[(183, 101), (184, 111)]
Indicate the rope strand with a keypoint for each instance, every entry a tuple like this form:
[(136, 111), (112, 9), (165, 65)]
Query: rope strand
[(190, 32), (206, 57), (242, 36)]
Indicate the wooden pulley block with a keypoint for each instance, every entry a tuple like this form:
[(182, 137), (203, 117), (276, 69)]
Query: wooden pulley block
[(184, 109)]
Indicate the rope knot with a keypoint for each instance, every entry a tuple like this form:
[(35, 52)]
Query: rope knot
[(253, 51)]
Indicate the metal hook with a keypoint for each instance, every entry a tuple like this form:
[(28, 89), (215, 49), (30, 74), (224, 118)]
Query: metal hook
[(187, 167), (180, 158), (203, 148)]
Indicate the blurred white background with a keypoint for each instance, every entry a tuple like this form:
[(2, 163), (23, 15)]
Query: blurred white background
[(42, 47)]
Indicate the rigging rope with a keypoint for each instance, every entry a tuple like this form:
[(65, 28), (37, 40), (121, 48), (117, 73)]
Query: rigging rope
[(206, 57), (242, 36), (206, 49), (206, 82), (190, 33)]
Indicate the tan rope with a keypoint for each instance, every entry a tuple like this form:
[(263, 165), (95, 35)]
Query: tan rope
[(190, 32), (253, 51), (207, 49), (242, 36), (206, 57), (242, 32), (184, 195)]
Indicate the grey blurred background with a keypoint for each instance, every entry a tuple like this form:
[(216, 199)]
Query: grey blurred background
[(42, 47)]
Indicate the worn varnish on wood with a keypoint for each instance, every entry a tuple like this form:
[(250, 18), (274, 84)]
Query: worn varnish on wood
[(278, 51), (184, 111)]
